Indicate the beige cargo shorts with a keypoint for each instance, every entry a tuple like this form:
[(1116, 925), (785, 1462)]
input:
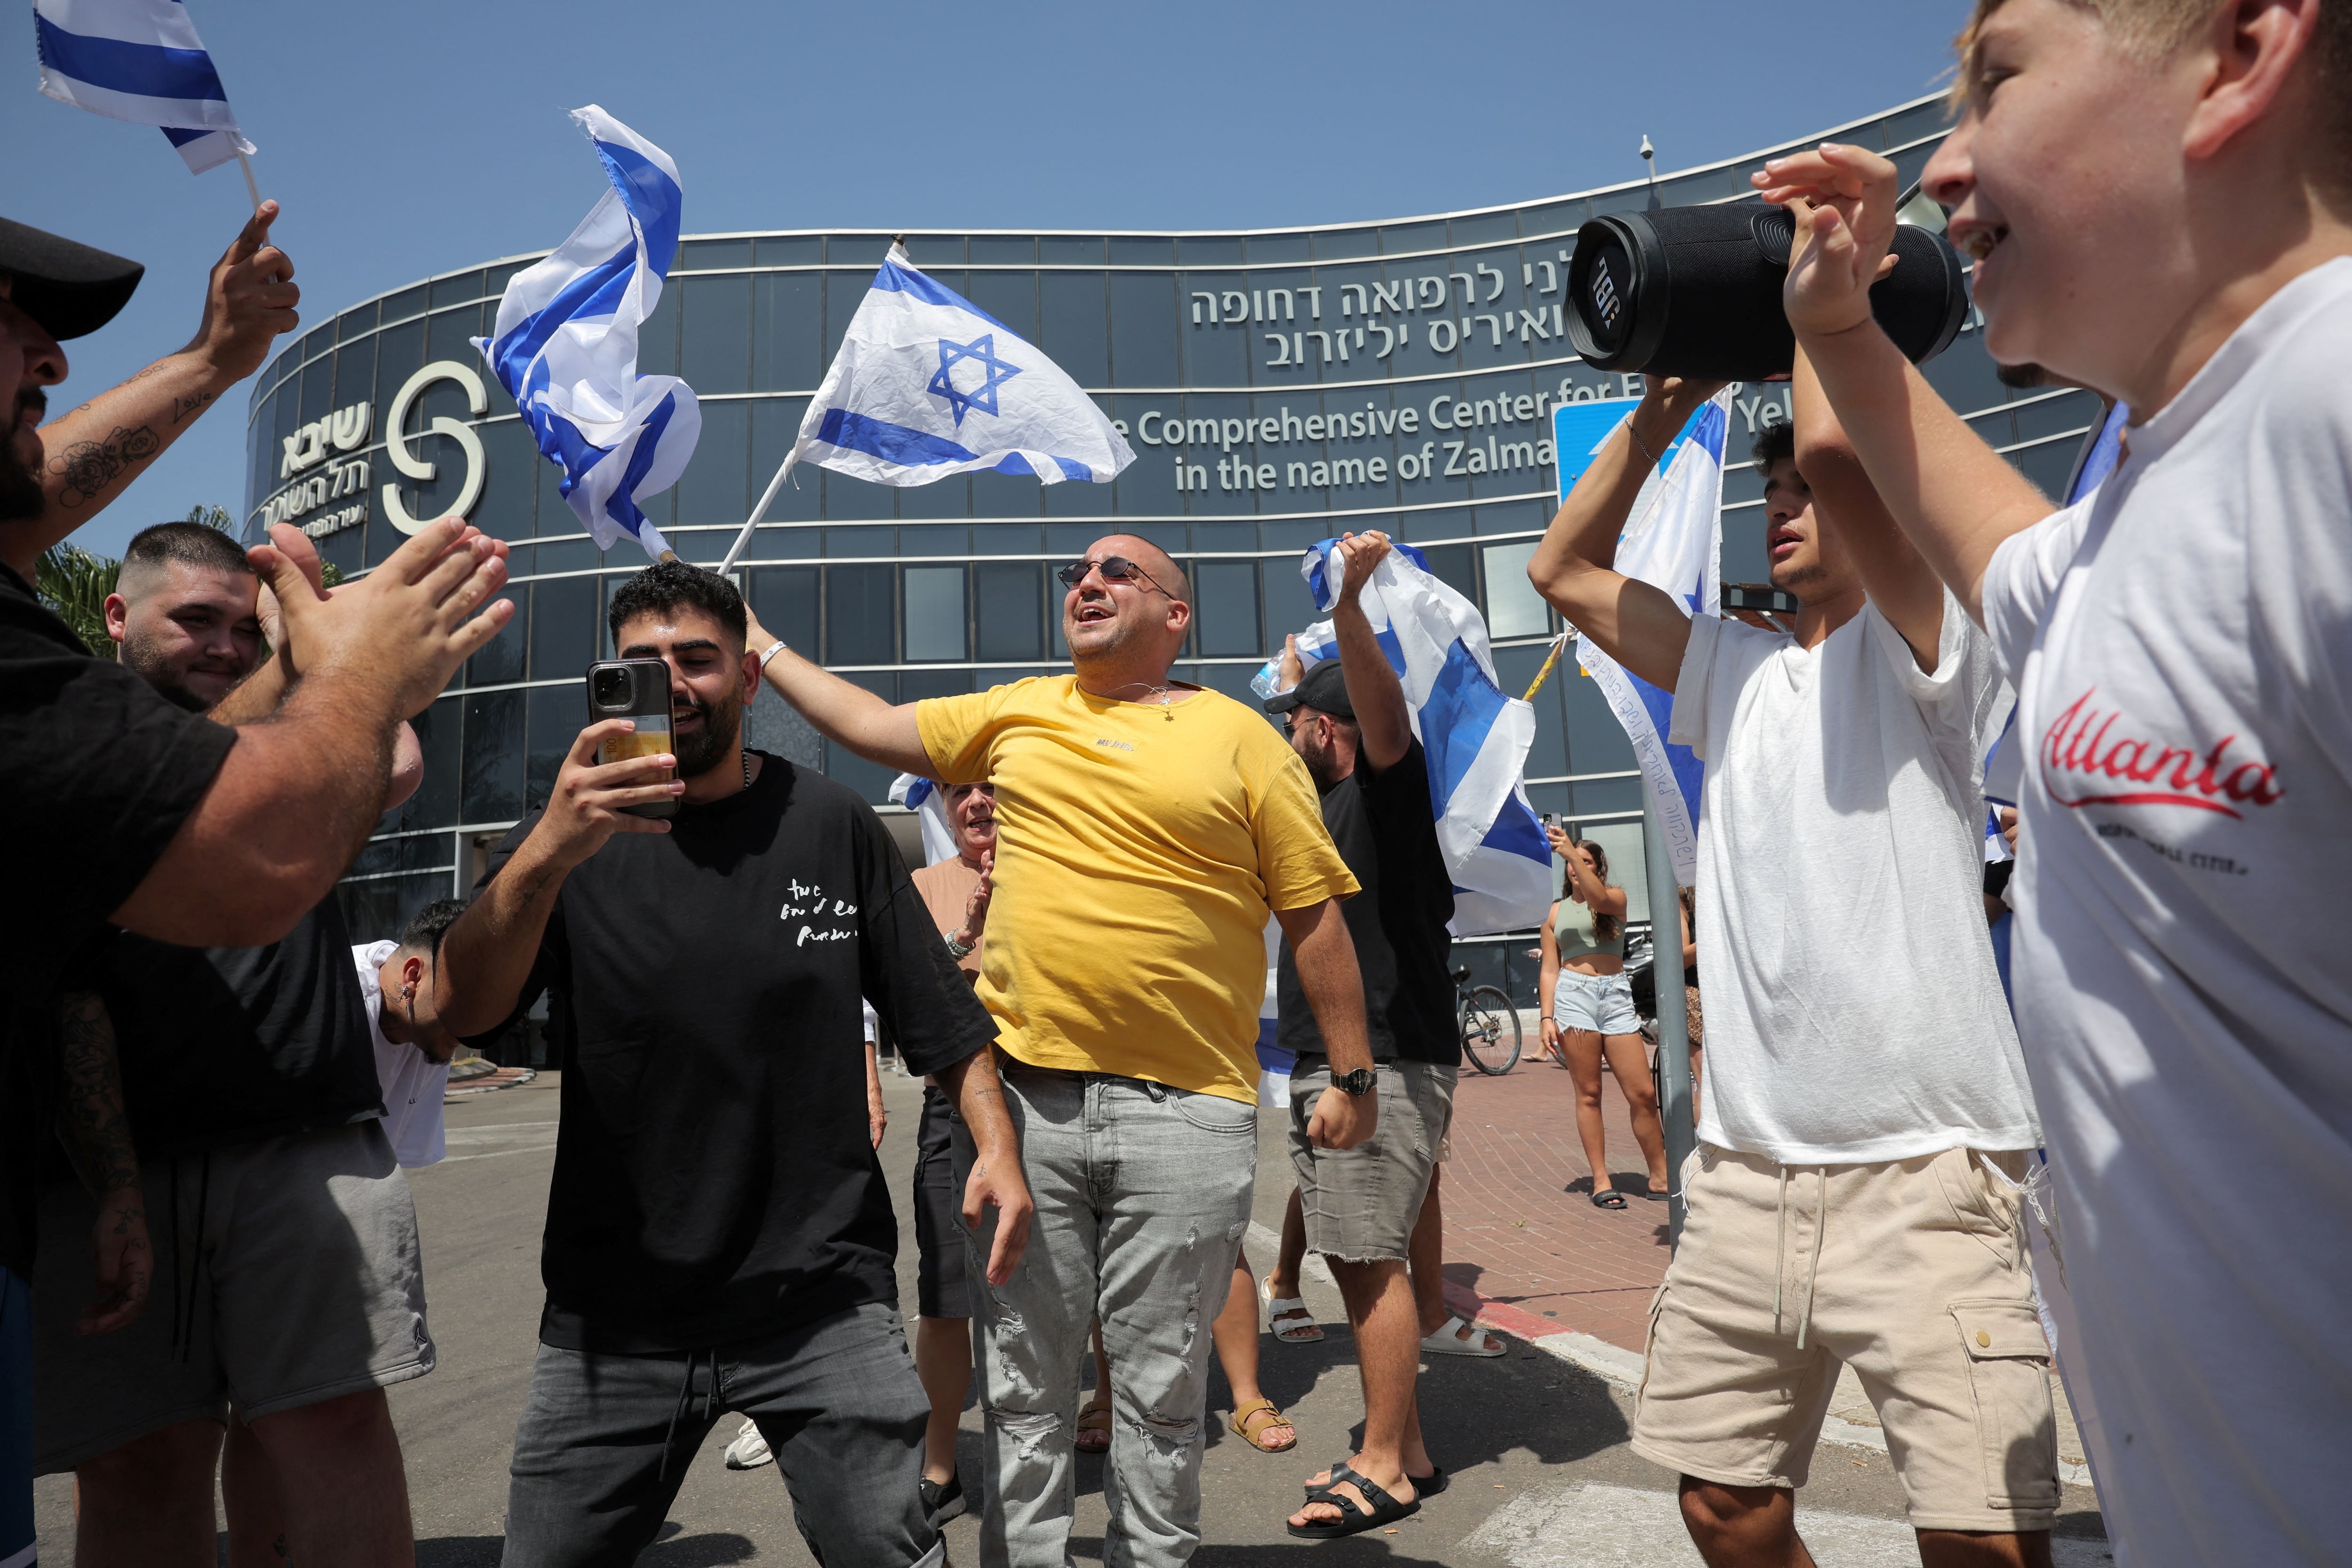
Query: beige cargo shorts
[(1912, 1272)]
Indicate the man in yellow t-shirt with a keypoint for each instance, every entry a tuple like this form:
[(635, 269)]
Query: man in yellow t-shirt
[(1144, 828)]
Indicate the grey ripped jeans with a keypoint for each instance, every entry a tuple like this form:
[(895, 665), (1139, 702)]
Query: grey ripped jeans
[(1142, 1193)]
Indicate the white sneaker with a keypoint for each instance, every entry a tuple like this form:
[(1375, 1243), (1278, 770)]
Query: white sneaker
[(749, 1451)]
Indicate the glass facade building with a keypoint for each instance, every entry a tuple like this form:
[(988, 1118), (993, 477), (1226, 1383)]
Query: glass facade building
[(1278, 386)]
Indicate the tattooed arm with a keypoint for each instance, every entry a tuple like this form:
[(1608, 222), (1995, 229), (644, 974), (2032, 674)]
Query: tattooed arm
[(97, 1134), (98, 448)]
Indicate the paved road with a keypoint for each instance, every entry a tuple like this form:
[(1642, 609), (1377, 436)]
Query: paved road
[(1542, 1476)]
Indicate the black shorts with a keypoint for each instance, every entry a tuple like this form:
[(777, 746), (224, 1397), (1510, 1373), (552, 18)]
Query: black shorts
[(943, 1250)]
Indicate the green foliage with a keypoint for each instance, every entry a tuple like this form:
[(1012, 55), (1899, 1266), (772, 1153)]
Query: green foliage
[(214, 516), (74, 584)]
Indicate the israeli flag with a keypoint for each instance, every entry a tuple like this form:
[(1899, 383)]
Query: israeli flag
[(1673, 541), (566, 344), (138, 60), (928, 385), (930, 804), (1474, 736)]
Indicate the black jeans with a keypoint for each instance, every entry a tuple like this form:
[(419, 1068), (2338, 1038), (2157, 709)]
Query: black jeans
[(606, 1440)]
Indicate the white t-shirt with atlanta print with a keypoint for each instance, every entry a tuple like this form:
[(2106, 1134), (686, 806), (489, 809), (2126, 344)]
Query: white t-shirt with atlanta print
[(414, 1083), (2181, 646)]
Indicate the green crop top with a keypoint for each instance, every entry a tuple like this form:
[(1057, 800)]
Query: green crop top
[(1573, 930)]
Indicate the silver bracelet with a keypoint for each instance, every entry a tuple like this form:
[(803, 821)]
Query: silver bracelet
[(770, 651), (957, 949)]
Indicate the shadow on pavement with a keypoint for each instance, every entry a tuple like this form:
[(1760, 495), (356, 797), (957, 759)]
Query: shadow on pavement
[(675, 1550)]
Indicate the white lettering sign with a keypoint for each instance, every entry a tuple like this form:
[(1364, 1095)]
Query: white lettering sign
[(396, 438)]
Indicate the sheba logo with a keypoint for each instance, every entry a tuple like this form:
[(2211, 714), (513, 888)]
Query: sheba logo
[(2082, 752)]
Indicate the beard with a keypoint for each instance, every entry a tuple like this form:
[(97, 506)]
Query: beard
[(706, 748), (1798, 576), (158, 673), (20, 483)]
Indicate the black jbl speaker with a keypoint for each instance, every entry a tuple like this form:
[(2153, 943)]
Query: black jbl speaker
[(1696, 292)]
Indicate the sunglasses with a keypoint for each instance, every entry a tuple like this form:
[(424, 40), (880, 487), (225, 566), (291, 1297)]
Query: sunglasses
[(1114, 568)]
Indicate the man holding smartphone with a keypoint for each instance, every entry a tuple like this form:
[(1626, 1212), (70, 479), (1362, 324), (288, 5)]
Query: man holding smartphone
[(718, 1236)]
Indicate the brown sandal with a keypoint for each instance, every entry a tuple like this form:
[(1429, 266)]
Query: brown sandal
[(1094, 1427), (1253, 1418)]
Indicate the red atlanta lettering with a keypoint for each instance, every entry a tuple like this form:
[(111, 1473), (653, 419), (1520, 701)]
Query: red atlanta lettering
[(2081, 751)]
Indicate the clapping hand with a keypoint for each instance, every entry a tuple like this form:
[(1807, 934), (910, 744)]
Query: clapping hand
[(975, 906)]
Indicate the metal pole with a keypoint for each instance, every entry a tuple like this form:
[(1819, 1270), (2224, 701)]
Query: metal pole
[(1673, 1037)]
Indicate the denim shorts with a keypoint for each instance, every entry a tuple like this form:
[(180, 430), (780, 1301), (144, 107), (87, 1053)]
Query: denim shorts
[(1600, 1004), (1360, 1204)]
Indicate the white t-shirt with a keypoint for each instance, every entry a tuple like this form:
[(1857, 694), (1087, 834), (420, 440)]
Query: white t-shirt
[(2182, 644), (413, 1082), (1853, 1014)]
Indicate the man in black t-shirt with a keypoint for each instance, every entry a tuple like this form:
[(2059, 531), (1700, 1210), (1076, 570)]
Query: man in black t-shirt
[(1348, 722), (718, 1236), (129, 810), (271, 1194)]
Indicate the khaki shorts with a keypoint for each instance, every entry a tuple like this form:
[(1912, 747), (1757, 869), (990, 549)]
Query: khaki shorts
[(1912, 1272), (1361, 1204), (286, 1273)]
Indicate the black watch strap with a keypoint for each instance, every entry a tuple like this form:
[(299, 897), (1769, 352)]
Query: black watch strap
[(1359, 1083)]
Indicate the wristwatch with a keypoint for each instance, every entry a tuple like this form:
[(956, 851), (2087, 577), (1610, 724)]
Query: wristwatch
[(1358, 1083)]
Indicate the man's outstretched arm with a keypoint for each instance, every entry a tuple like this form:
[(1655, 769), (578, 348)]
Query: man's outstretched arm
[(1383, 721), (1955, 496), (98, 448), (1638, 625), (845, 714)]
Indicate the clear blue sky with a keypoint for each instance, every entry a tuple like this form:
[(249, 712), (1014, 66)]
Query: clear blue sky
[(414, 138)]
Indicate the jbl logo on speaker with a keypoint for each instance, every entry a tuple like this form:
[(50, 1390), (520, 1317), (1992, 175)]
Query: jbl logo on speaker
[(1604, 296)]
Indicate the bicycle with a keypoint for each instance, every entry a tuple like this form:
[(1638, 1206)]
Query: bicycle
[(1488, 1025)]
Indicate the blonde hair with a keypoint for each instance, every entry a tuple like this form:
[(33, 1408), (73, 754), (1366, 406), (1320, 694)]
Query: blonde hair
[(2150, 29)]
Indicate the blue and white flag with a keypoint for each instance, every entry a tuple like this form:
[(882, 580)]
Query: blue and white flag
[(1474, 735), (929, 804), (1673, 541), (138, 60), (566, 344), (926, 385)]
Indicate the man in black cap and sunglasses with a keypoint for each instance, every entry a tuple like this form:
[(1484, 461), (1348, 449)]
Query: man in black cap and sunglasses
[(1145, 829), (193, 829)]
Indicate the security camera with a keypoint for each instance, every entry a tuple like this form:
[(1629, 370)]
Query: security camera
[(1648, 152)]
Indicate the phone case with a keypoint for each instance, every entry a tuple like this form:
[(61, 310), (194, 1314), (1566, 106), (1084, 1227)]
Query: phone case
[(644, 699)]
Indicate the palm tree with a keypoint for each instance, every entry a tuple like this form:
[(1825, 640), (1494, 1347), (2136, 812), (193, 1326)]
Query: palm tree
[(74, 584)]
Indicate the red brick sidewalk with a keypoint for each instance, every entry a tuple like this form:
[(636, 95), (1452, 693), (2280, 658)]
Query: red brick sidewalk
[(1520, 1227)]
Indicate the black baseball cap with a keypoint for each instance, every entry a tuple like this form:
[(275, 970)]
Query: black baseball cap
[(1324, 688), (71, 289)]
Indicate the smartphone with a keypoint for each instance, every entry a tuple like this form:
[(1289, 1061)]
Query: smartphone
[(638, 690), (1760, 597)]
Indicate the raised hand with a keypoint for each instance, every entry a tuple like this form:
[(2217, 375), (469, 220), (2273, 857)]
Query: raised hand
[(249, 300), (1843, 201), (1292, 669), (405, 626), (1358, 554)]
